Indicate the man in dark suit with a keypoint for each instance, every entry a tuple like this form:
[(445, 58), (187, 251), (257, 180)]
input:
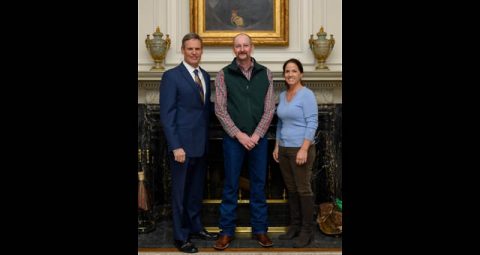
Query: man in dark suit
[(184, 112)]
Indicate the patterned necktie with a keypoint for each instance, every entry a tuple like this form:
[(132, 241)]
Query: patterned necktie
[(199, 83)]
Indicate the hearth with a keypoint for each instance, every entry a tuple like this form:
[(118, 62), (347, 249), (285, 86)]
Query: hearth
[(153, 160)]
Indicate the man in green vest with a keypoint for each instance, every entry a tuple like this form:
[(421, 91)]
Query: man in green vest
[(244, 106)]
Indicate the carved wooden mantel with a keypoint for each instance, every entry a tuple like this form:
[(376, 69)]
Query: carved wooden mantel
[(326, 85)]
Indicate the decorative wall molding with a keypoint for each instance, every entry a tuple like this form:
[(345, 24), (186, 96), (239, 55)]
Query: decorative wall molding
[(277, 75), (278, 85)]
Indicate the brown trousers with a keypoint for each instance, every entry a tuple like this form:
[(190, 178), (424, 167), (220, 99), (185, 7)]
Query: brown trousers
[(297, 178)]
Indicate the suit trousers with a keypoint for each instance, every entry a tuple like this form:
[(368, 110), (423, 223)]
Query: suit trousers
[(187, 194)]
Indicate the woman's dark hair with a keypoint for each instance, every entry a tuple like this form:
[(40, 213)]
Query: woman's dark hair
[(296, 62)]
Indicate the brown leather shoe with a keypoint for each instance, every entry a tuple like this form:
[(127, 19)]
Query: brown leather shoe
[(263, 240), (223, 242)]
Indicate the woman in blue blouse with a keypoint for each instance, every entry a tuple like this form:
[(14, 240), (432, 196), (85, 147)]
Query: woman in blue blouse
[(294, 149)]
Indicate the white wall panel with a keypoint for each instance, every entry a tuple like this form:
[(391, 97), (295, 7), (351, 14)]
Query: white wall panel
[(305, 18)]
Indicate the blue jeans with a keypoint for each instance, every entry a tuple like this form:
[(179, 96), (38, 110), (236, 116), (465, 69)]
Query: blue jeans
[(234, 154)]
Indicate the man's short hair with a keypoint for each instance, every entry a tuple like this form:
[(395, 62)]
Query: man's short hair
[(191, 36)]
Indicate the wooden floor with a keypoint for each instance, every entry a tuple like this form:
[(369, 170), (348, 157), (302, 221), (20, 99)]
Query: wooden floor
[(247, 251)]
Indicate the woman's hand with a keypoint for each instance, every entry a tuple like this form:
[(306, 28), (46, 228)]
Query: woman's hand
[(301, 157), (275, 154)]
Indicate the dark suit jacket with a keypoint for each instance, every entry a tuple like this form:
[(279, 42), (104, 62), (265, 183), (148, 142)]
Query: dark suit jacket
[(183, 115)]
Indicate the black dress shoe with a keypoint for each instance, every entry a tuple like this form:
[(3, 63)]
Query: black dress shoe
[(205, 235), (185, 246)]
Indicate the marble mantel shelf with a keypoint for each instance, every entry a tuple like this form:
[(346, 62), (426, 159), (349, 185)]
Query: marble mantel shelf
[(307, 75), (327, 85)]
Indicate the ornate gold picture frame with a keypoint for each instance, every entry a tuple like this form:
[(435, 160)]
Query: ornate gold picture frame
[(217, 21)]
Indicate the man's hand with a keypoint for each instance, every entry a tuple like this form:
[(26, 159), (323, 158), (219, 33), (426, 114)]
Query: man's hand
[(255, 138), (179, 155), (245, 140)]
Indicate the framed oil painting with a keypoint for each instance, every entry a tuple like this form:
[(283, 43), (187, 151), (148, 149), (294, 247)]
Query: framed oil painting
[(217, 21)]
